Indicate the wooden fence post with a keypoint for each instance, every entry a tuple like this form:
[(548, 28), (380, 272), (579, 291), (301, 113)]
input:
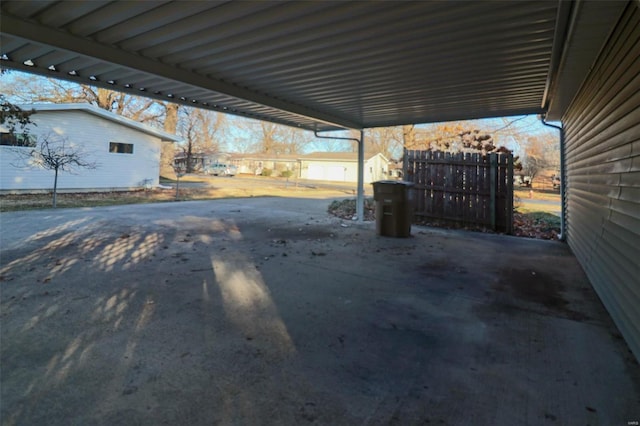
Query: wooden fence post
[(404, 164), (493, 172), (509, 195)]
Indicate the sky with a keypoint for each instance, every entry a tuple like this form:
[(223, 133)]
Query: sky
[(530, 125)]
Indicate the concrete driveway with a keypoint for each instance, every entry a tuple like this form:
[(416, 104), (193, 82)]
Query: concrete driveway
[(268, 311)]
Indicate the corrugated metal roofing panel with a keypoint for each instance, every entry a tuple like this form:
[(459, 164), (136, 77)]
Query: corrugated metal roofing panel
[(317, 65)]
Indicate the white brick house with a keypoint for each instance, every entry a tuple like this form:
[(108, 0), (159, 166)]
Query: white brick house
[(127, 153)]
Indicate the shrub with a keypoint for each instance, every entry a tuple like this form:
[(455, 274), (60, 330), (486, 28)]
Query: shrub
[(267, 172), (286, 173)]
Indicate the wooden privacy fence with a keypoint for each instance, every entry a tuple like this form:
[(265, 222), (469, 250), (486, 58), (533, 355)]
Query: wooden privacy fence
[(467, 188)]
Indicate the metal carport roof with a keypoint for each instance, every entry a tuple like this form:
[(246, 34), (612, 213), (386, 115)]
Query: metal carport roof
[(315, 65)]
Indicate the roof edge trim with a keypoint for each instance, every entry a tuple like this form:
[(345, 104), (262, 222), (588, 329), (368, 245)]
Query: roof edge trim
[(92, 109)]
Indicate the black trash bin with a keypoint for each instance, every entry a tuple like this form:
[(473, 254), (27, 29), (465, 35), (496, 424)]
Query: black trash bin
[(394, 208)]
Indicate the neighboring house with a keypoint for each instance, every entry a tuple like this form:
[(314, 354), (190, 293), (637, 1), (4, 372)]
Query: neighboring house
[(256, 163), (396, 169), (343, 166), (200, 161), (330, 166), (127, 153)]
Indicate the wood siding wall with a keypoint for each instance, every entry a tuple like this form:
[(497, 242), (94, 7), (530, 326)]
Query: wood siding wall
[(602, 151), (92, 134)]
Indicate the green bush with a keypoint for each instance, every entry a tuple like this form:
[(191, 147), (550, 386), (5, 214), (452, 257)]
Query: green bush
[(286, 173), (267, 172)]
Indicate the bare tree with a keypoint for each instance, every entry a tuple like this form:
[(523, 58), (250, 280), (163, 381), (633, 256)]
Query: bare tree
[(179, 172), (27, 88), (385, 140), (346, 142), (294, 140), (202, 131), (31, 89), (242, 144), (191, 138), (542, 152), (328, 145), (57, 154), (409, 136), (170, 126), (458, 136), (270, 138), (266, 134), (211, 129)]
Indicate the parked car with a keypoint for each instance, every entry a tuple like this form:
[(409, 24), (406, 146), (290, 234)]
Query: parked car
[(219, 169)]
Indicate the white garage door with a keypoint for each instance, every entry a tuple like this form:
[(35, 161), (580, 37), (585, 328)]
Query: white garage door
[(316, 172), (336, 173)]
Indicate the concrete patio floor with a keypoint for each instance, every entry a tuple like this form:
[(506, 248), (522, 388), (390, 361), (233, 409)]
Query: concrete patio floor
[(269, 311)]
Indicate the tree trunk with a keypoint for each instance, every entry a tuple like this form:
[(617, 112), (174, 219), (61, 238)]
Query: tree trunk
[(189, 156), (167, 152), (55, 188), (409, 136)]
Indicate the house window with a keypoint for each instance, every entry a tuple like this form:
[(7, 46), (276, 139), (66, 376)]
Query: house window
[(121, 148), (17, 139)]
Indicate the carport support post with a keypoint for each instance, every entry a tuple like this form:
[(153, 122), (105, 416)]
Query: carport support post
[(360, 199), (360, 186)]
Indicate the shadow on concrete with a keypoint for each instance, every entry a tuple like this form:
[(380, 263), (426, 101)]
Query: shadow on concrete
[(268, 311)]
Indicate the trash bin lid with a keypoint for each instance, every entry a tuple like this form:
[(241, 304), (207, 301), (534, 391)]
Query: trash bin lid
[(394, 182)]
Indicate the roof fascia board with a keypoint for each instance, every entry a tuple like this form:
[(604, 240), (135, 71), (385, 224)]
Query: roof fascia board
[(58, 39), (446, 117), (562, 29), (88, 108), (592, 23)]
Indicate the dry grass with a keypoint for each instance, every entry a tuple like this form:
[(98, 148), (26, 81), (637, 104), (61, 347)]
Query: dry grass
[(16, 202), (525, 193)]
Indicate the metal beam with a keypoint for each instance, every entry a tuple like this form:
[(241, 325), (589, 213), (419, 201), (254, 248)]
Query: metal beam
[(360, 185), (61, 40), (360, 199)]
